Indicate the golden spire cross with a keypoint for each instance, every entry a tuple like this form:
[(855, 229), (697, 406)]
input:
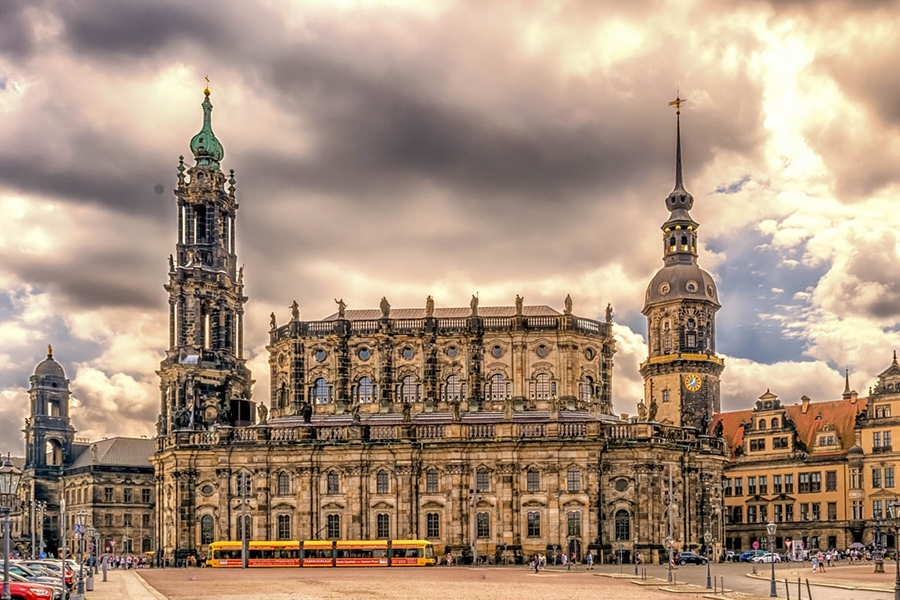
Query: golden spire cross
[(206, 91), (677, 102)]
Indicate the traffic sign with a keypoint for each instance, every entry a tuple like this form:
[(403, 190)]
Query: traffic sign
[(788, 543), (756, 545)]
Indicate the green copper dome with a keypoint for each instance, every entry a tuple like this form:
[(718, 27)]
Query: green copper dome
[(206, 147)]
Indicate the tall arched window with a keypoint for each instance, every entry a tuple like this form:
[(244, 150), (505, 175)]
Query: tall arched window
[(496, 387), (409, 389), (775, 423), (453, 389), (540, 387), (320, 391), (365, 391), (242, 484), (482, 480), (333, 526), (586, 388), (667, 339), (431, 481), (623, 525), (762, 423), (207, 529), (533, 480), (573, 480)]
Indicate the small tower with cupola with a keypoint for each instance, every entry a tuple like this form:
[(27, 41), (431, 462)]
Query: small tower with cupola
[(681, 373), (48, 431)]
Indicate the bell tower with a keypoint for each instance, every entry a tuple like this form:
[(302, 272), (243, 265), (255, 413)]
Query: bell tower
[(681, 373), (48, 432), (204, 379)]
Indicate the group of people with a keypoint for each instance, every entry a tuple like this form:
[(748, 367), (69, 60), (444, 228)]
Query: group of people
[(125, 562)]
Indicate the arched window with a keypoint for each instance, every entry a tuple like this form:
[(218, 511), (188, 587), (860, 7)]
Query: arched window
[(453, 389), (586, 388), (365, 391), (691, 337), (333, 483), (667, 339), (320, 391), (762, 423), (496, 387), (574, 522), (382, 483), (775, 423), (534, 524), (684, 242), (284, 484), (483, 522), (623, 525), (672, 243), (54, 453), (540, 388), (573, 480), (409, 389), (283, 395), (333, 526), (284, 527)]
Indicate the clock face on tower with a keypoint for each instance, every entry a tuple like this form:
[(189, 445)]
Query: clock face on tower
[(692, 382)]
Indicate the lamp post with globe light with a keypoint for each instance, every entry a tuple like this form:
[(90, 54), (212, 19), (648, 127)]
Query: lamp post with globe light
[(9, 486), (91, 533), (770, 529)]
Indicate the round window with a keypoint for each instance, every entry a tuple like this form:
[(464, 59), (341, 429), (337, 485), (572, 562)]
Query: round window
[(407, 353), (452, 351), (621, 485), (691, 286), (589, 353), (320, 355), (543, 351), (364, 354), (496, 351), (206, 489)]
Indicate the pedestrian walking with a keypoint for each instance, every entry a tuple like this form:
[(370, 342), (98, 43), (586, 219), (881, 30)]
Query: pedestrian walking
[(815, 562), (589, 559)]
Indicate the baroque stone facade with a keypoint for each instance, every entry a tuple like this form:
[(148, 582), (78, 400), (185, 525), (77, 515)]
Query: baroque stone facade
[(111, 479), (487, 430)]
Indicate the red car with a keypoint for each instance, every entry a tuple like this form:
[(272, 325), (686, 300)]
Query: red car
[(29, 591)]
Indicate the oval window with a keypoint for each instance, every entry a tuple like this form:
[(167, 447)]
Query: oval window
[(452, 351), (320, 355), (364, 354), (543, 351), (407, 353), (496, 351)]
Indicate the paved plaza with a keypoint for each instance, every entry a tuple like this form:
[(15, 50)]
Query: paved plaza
[(488, 583)]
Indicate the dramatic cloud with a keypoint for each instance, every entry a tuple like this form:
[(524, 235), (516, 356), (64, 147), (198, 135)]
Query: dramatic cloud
[(404, 149)]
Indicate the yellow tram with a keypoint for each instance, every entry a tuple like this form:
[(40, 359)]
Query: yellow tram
[(324, 553)]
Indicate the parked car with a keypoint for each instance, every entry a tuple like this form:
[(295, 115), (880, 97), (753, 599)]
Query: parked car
[(57, 590), (29, 591), (29, 575), (683, 558), (767, 557), (750, 555)]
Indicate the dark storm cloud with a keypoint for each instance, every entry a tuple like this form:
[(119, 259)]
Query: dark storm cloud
[(16, 29)]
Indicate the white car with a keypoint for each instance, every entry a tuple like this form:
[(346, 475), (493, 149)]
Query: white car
[(766, 558)]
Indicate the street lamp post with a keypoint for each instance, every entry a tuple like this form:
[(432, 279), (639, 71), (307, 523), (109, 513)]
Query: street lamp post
[(670, 542), (893, 512), (9, 485), (91, 533), (707, 537), (770, 529), (80, 521), (41, 509), (879, 553)]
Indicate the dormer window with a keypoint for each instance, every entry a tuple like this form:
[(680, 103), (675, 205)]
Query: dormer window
[(775, 423), (762, 424)]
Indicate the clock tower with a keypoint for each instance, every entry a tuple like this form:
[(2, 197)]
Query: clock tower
[(681, 373)]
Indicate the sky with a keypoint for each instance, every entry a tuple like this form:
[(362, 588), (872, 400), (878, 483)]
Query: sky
[(406, 148)]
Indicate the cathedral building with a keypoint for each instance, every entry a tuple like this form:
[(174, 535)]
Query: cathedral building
[(488, 430)]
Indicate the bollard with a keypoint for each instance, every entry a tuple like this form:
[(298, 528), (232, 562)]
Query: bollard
[(808, 590), (105, 561), (799, 589), (787, 588)]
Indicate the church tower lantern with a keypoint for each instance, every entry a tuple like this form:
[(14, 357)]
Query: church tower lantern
[(681, 373)]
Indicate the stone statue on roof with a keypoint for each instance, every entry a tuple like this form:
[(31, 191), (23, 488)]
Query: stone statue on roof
[(568, 303), (295, 311), (473, 304), (341, 307), (609, 313), (429, 307), (519, 301), (272, 322), (385, 308), (262, 412)]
